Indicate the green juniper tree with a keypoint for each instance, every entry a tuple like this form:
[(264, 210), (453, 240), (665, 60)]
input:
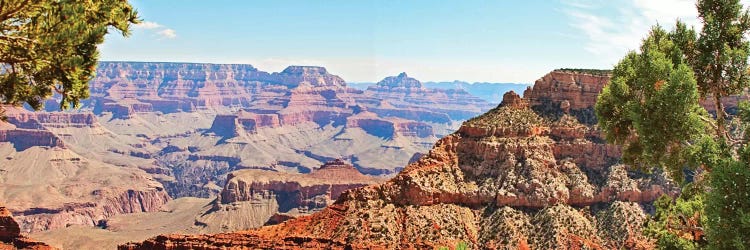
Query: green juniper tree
[(721, 53), (50, 46), (668, 129), (650, 106)]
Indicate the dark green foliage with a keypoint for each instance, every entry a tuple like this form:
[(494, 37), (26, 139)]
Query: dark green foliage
[(721, 52), (676, 221), (50, 46), (666, 128), (728, 202), (728, 206), (651, 105)]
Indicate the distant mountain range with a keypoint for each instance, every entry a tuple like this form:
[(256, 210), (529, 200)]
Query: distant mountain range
[(488, 91)]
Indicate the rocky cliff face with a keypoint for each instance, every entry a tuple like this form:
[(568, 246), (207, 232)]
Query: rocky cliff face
[(509, 178), (92, 213), (306, 192), (252, 198), (579, 89), (567, 91), (10, 234)]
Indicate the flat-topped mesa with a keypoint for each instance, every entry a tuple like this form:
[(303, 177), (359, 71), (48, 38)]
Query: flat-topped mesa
[(233, 125), (10, 234), (31, 120), (337, 164), (181, 86), (338, 168), (315, 76)]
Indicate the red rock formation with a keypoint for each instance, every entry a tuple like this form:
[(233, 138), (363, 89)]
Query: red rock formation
[(203, 85), (513, 100), (580, 89), (299, 190), (10, 234)]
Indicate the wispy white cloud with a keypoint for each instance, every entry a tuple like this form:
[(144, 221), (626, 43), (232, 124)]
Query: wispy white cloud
[(148, 25), (167, 33), (157, 29), (612, 28)]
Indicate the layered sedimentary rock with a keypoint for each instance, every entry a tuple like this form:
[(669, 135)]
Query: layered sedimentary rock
[(303, 116), (183, 85), (23, 129), (10, 234), (312, 191), (252, 198), (579, 88), (505, 179)]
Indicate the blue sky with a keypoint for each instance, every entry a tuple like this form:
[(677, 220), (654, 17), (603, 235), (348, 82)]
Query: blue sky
[(365, 41)]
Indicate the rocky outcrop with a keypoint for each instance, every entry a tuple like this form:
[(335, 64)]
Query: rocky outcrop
[(10, 234), (513, 100), (579, 88), (23, 139), (505, 179), (303, 192), (253, 198), (92, 213)]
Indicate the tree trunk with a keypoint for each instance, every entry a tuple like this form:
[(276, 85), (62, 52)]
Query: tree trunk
[(720, 116)]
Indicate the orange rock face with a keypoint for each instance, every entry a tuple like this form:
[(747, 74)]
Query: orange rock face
[(579, 89), (506, 179), (309, 191), (10, 234)]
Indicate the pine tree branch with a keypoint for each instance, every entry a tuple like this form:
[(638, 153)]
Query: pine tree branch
[(7, 15)]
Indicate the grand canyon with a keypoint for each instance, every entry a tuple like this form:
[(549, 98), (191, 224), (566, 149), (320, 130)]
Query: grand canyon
[(570, 124), (303, 161)]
